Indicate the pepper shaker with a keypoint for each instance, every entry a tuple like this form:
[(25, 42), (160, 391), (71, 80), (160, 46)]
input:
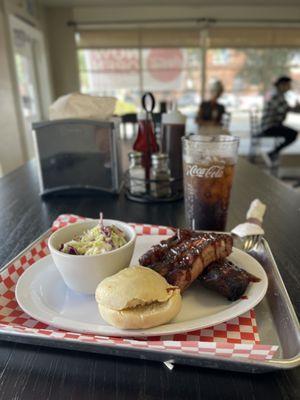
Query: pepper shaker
[(160, 176)]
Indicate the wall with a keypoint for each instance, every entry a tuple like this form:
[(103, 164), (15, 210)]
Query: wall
[(28, 11), (11, 154), (62, 50), (184, 13), (62, 42), (12, 136)]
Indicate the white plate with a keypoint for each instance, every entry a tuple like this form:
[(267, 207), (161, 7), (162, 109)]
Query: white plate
[(42, 294)]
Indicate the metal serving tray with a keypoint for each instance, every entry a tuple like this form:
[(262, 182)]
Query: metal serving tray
[(276, 319)]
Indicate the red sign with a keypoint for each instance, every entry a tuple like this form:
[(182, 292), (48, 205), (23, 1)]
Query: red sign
[(165, 65), (115, 60)]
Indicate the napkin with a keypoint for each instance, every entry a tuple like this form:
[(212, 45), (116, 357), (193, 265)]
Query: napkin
[(82, 106), (254, 219)]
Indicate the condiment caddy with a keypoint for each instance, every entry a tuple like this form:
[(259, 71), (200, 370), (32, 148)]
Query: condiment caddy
[(160, 187), (149, 178)]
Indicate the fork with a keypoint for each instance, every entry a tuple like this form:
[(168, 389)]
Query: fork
[(251, 242), (254, 216)]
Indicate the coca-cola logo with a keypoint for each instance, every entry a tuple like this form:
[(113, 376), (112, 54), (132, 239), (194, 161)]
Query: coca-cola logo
[(214, 171)]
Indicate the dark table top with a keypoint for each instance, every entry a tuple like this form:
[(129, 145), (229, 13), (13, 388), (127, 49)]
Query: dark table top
[(32, 372)]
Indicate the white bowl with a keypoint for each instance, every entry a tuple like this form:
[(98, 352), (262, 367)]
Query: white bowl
[(83, 273)]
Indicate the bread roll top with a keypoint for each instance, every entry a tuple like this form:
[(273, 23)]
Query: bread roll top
[(132, 287)]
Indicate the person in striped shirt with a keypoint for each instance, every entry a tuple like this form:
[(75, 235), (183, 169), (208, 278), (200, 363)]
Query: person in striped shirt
[(274, 114)]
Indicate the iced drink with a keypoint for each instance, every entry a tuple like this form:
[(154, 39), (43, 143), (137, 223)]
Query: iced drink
[(208, 166)]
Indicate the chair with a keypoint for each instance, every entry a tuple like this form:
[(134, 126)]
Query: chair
[(226, 120), (129, 124), (215, 130), (257, 136), (128, 127)]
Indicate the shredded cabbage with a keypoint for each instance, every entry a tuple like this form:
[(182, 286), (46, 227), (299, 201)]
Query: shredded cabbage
[(97, 240)]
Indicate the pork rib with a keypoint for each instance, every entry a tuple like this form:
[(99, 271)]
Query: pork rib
[(183, 257), (227, 279)]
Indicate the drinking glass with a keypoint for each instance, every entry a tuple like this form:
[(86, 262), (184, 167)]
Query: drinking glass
[(208, 169)]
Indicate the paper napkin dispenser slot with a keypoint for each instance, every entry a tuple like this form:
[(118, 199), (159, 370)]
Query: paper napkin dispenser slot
[(75, 155)]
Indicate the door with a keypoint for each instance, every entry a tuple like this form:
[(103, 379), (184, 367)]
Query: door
[(31, 70)]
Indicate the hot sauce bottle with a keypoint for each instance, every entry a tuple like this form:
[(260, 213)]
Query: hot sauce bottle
[(146, 141)]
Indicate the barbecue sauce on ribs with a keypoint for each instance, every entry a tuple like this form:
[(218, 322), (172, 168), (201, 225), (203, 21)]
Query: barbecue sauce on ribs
[(183, 257)]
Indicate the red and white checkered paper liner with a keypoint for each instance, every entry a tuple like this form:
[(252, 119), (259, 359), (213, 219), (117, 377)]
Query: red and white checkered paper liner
[(235, 338)]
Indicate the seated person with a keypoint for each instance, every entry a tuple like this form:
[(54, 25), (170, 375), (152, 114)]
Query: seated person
[(211, 112), (274, 114)]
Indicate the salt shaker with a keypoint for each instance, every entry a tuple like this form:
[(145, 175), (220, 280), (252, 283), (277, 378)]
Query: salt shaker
[(137, 182), (160, 175)]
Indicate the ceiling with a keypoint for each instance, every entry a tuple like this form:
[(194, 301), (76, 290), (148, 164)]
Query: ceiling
[(116, 3)]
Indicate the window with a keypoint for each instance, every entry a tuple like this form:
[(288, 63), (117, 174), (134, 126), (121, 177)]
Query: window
[(171, 74), (174, 75), (248, 75), (113, 72)]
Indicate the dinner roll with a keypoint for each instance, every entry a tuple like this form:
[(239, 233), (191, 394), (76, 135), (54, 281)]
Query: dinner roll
[(136, 298)]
